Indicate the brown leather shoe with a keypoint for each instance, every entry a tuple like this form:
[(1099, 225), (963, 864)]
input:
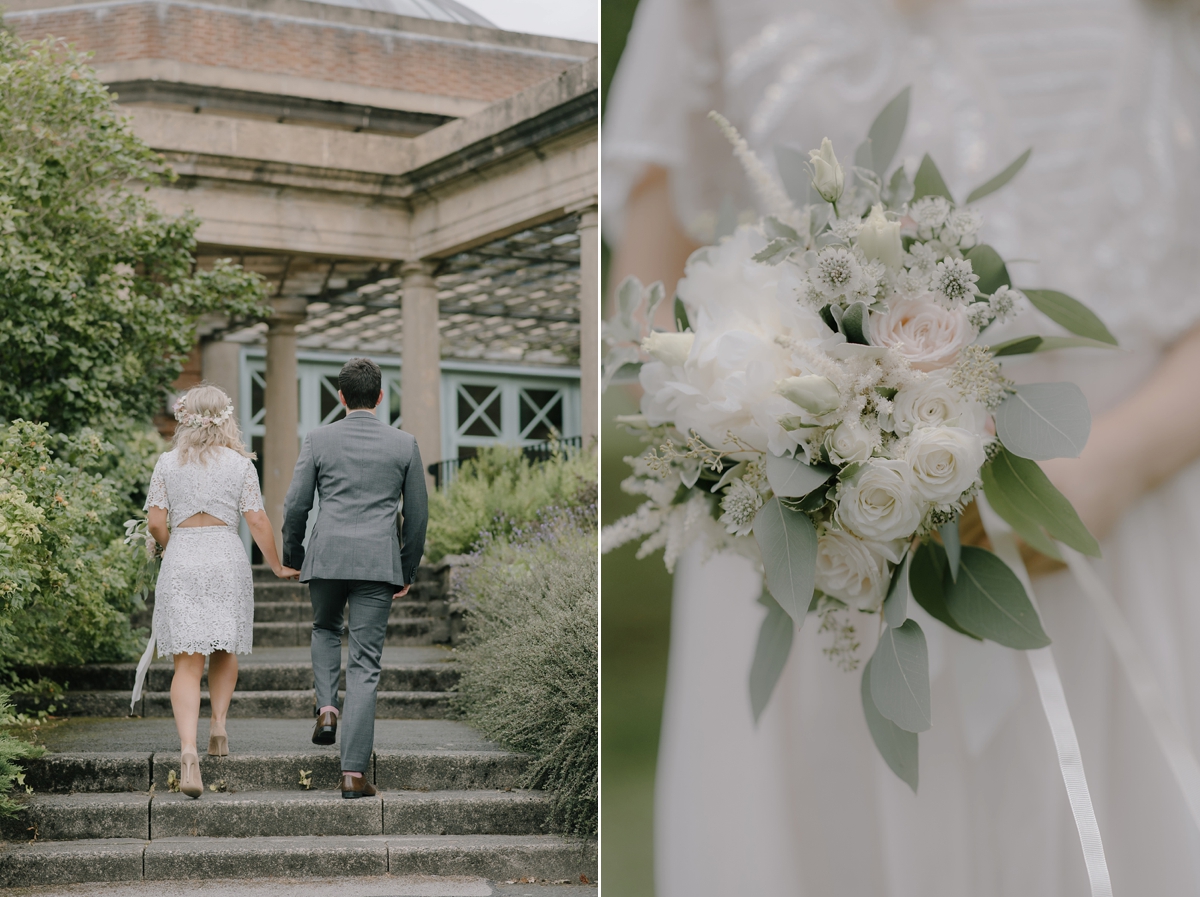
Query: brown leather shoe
[(357, 786), (325, 731)]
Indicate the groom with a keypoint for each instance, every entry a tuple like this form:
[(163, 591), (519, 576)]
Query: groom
[(358, 554)]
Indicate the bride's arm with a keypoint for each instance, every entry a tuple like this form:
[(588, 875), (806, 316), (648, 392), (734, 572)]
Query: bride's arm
[(156, 525), (264, 536), (1138, 445)]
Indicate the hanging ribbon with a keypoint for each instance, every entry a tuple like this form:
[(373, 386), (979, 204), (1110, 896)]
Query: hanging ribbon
[(1054, 703), (140, 676), (1167, 732)]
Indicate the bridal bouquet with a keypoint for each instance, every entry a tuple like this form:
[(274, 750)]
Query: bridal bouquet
[(830, 404)]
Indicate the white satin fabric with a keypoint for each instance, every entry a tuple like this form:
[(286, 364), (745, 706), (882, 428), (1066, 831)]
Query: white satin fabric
[(1108, 93)]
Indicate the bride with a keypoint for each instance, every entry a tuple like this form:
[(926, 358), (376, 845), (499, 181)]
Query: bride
[(1108, 94), (204, 598)]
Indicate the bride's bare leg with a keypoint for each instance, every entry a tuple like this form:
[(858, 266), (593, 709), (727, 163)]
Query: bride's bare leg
[(185, 697), (222, 679)]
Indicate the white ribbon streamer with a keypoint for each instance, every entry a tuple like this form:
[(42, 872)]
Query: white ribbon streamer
[(1054, 703), (1171, 738), (140, 676)]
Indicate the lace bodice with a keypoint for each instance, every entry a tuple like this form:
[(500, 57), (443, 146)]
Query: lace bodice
[(225, 487), (1107, 92)]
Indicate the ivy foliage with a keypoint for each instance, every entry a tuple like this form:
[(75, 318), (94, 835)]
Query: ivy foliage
[(98, 289)]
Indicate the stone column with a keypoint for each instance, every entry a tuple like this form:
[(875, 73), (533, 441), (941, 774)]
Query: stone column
[(219, 366), (281, 441), (420, 366), (589, 323)]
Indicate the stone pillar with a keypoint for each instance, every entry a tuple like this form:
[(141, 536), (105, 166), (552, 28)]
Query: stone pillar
[(281, 441), (589, 323), (219, 365), (420, 365)]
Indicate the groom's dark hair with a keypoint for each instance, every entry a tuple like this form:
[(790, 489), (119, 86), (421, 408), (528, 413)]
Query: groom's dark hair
[(360, 381)]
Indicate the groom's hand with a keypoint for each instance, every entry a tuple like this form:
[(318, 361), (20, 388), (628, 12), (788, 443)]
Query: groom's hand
[(401, 593)]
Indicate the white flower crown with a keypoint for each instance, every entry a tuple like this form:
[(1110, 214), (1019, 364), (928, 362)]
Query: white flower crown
[(189, 419)]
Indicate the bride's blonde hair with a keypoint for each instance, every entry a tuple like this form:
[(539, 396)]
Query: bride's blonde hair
[(206, 422)]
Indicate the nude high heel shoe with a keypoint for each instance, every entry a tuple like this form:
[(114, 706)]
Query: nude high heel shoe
[(218, 746), (189, 775)]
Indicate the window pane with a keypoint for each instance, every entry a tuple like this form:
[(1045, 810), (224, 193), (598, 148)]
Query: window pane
[(487, 423), (331, 408), (258, 394), (534, 423), (394, 402)]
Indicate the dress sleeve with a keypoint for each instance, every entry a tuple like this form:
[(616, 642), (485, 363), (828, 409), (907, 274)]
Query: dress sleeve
[(668, 80), (251, 495), (156, 495)]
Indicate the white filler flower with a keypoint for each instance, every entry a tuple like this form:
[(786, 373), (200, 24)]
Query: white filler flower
[(740, 504), (879, 502), (945, 462)]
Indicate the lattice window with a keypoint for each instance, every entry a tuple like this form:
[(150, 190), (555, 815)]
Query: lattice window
[(392, 388), (331, 408), (479, 411), (541, 414)]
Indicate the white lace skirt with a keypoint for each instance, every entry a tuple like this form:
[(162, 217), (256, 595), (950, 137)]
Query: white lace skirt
[(204, 599)]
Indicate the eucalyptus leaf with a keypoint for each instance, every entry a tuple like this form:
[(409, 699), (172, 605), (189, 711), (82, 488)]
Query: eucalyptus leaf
[(681, 316), (986, 262), (730, 473), (887, 131), (928, 575), (928, 181), (776, 229), (897, 747), (1010, 510), (900, 677), (1050, 343), (1041, 421), (1021, 345), (863, 155), (1001, 179), (1071, 314), (953, 546), (854, 323), (895, 605), (775, 638), (989, 600), (792, 478), (900, 189), (1026, 486), (787, 541), (775, 251)]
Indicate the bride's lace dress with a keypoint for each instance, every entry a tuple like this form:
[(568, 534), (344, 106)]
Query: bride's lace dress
[(1108, 94), (204, 598)]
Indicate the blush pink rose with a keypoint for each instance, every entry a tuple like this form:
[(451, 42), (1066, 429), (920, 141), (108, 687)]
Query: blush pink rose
[(925, 332)]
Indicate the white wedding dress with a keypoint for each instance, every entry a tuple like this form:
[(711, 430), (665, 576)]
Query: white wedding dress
[(1108, 94)]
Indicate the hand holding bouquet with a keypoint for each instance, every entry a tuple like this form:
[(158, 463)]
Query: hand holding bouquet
[(831, 404)]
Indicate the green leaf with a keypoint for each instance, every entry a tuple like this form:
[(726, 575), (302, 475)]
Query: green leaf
[(900, 677), (1071, 314), (989, 600), (656, 295), (900, 190), (792, 478), (953, 546), (897, 747), (787, 541), (1026, 486), (854, 323), (775, 638), (887, 131), (1001, 179), (895, 605), (1072, 342), (1024, 525), (681, 316), (1041, 421), (928, 181), (793, 171), (986, 262), (776, 229), (927, 577), (1021, 345), (862, 156), (775, 251)]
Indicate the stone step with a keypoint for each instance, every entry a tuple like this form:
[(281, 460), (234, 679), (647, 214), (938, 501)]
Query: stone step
[(400, 631), (294, 612), (257, 814), (392, 769), (272, 704), (503, 857)]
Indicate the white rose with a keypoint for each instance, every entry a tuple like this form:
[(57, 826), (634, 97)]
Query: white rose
[(815, 394), (879, 238), (945, 462), (880, 502), (827, 176), (850, 442), (852, 569), (925, 332), (670, 348), (933, 402)]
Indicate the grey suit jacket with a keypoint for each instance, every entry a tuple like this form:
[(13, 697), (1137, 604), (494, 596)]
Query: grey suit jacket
[(361, 468)]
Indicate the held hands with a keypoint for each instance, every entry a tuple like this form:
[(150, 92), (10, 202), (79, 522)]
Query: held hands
[(286, 572)]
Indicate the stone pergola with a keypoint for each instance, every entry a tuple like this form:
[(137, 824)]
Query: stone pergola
[(441, 191)]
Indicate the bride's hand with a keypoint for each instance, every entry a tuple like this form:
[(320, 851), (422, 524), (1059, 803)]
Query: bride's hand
[(286, 572)]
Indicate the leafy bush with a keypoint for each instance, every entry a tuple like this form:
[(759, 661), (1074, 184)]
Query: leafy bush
[(98, 292), (529, 659), (65, 573), (500, 490), (12, 749)]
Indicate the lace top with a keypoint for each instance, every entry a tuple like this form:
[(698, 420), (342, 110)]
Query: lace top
[(1107, 92), (225, 487)]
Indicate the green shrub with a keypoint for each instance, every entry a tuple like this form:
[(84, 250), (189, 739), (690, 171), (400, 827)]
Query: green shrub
[(499, 490), (66, 576), (12, 749), (529, 676)]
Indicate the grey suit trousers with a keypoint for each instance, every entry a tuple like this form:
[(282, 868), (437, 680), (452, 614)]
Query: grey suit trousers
[(370, 605)]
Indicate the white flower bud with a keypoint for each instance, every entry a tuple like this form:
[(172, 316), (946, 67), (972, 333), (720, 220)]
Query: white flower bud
[(827, 176), (879, 238), (670, 348), (815, 394)]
